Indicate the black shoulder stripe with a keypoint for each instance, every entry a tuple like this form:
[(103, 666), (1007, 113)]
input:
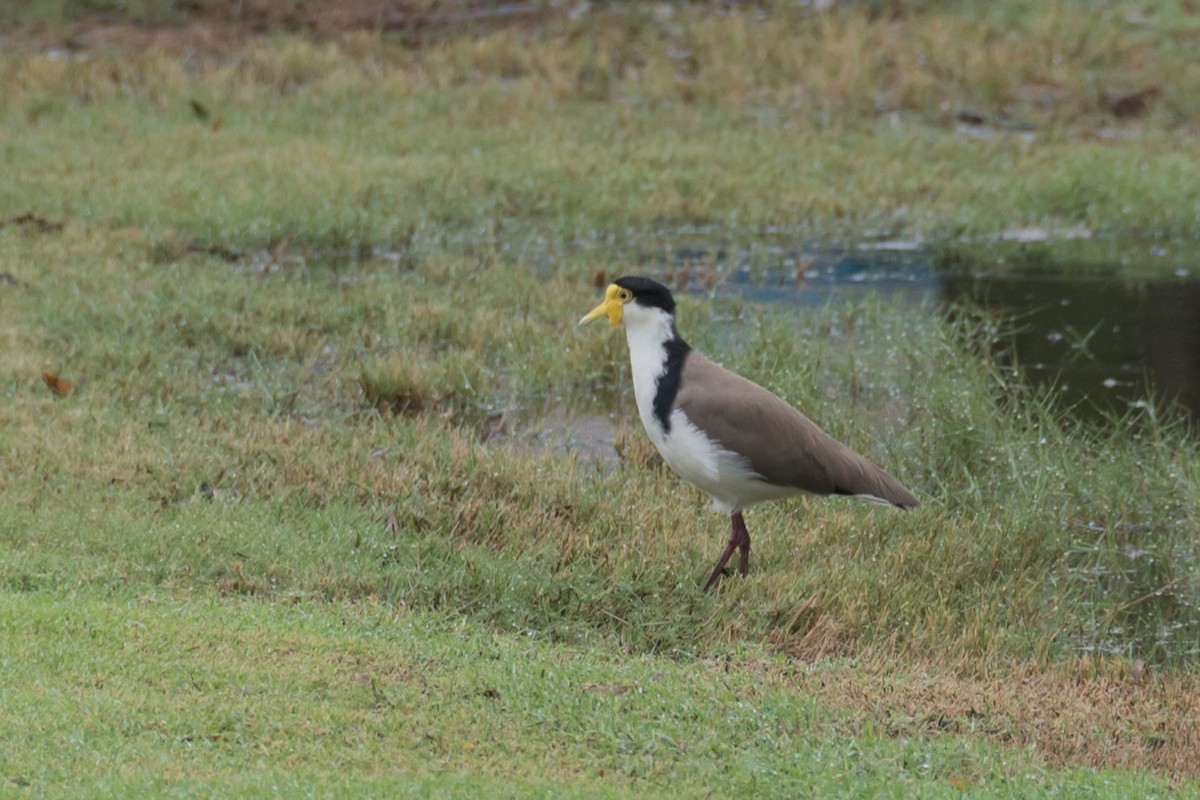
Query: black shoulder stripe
[(668, 383)]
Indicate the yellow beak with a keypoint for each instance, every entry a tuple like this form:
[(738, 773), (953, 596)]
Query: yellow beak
[(612, 307)]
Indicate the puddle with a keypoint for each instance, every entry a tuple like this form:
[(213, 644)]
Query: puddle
[(1102, 343), (1105, 343)]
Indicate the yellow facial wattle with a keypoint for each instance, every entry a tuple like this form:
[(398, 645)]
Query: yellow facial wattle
[(613, 306)]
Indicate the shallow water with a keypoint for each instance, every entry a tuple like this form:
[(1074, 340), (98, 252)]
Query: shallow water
[(1103, 342)]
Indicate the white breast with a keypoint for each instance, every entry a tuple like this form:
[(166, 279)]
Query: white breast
[(724, 475)]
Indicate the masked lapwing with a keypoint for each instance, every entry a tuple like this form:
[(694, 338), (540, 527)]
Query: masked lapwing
[(726, 435)]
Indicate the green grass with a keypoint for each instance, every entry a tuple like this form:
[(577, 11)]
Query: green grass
[(151, 696), (296, 529), (623, 123), (222, 442), (225, 431)]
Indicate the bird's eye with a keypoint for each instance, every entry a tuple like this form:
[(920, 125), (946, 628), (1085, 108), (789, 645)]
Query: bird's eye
[(624, 295)]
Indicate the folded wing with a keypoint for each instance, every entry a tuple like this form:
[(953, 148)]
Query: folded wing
[(782, 445)]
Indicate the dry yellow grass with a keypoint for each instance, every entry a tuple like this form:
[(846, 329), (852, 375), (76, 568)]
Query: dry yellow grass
[(1108, 713)]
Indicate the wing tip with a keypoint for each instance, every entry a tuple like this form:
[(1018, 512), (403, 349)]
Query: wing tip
[(905, 501)]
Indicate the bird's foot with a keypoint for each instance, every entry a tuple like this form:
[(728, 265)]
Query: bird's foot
[(739, 539)]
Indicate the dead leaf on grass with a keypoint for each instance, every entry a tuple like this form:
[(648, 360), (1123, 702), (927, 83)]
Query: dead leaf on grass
[(1133, 104), (60, 386), (42, 224)]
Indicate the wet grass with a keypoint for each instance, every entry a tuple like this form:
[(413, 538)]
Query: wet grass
[(301, 327)]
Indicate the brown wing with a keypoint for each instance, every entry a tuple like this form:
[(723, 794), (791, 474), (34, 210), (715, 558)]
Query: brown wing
[(783, 446)]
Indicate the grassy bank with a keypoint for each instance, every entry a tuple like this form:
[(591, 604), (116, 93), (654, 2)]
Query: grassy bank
[(213, 398), (625, 121), (333, 448), (333, 433)]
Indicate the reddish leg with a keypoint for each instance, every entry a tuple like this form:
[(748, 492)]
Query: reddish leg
[(739, 539)]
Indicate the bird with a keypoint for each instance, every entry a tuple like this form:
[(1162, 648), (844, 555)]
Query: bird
[(731, 438)]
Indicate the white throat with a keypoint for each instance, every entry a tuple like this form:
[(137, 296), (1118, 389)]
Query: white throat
[(647, 330)]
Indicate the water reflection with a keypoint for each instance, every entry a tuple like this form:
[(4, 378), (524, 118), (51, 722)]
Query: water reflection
[(1103, 342)]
